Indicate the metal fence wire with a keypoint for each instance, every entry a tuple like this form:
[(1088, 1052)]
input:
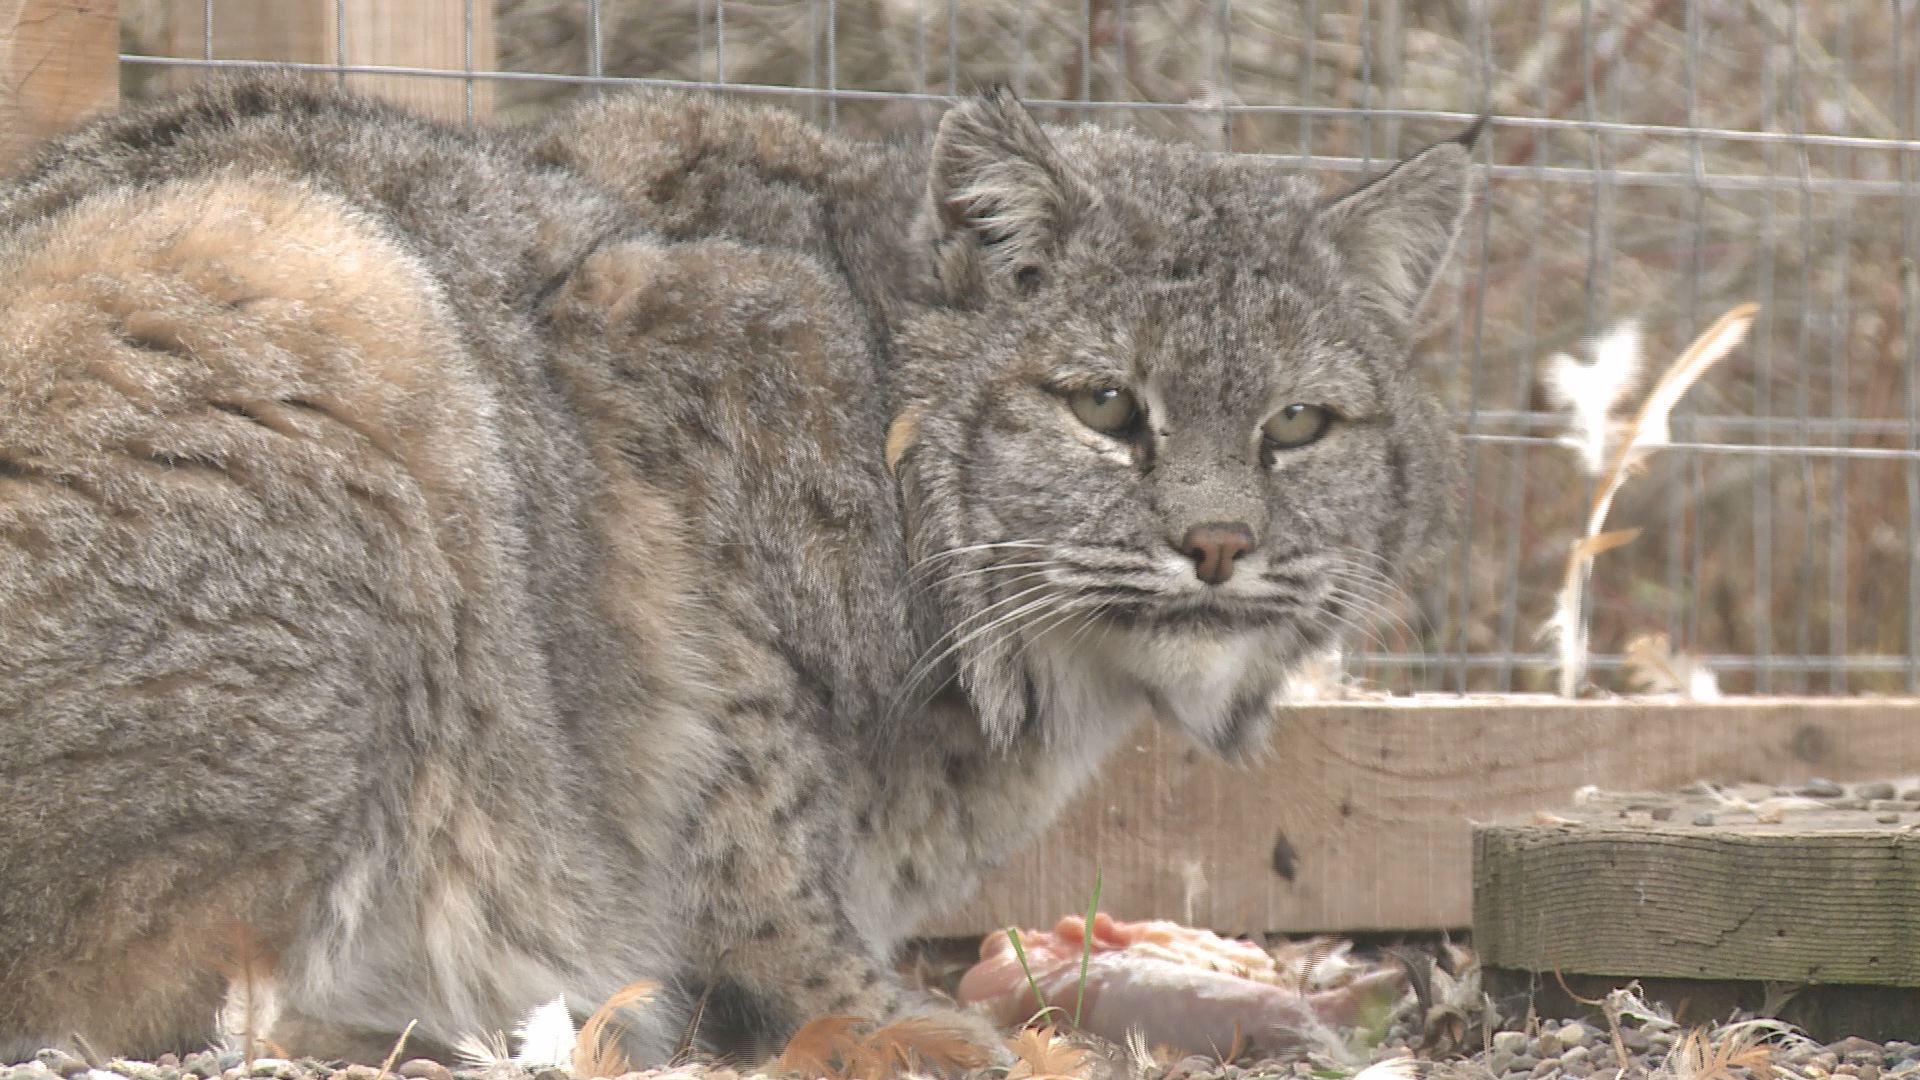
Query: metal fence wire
[(1648, 160)]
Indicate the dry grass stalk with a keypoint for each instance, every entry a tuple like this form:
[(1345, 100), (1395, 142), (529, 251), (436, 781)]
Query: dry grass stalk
[(393, 1055), (1647, 433), (596, 1050)]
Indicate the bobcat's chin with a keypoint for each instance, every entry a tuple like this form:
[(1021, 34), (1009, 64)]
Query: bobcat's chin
[(1213, 681)]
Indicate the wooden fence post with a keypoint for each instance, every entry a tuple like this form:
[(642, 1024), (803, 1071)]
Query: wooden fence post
[(59, 64), (397, 33)]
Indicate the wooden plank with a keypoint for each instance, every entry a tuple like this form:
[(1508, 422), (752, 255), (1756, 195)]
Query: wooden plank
[(1683, 887), (1367, 806), (416, 33), (59, 64)]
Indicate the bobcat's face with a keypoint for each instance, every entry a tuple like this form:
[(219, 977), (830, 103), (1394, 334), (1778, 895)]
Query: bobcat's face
[(1162, 442)]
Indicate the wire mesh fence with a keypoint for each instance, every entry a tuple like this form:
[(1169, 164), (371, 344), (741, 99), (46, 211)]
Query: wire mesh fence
[(1652, 160)]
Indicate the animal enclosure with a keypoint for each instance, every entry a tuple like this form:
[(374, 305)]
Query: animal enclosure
[(1646, 162)]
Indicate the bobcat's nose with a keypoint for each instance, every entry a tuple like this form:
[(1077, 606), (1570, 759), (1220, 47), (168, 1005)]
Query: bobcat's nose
[(1213, 547)]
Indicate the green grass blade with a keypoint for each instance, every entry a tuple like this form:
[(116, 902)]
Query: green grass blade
[(1020, 954), (1086, 948)]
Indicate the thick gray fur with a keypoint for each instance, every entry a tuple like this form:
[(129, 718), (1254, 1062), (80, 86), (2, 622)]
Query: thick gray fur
[(490, 565)]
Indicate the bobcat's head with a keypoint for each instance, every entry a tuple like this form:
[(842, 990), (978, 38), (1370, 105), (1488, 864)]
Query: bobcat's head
[(1159, 439)]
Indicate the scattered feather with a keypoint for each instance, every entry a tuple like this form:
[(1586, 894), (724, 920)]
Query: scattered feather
[(835, 1047), (1400, 1068), (486, 1051), (596, 1051), (1139, 1057), (547, 1037), (1320, 677), (1734, 1052), (1769, 810), (1648, 432), (1044, 1055), (1652, 665), (1568, 625), (1591, 391), (908, 1044), (818, 1047)]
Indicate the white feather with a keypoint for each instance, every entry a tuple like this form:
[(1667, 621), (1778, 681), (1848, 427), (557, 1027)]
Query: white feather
[(1591, 391), (483, 1051), (547, 1037), (1400, 1068)]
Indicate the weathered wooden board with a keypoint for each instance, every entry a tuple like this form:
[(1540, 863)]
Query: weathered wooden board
[(417, 33), (59, 64), (1361, 816), (1683, 887)]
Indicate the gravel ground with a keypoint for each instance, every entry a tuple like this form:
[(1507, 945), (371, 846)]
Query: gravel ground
[(1558, 1049)]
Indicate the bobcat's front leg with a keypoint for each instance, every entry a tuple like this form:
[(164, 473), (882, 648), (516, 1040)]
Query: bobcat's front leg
[(769, 856)]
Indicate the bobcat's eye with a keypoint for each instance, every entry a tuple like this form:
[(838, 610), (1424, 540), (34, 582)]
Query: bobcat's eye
[(1108, 410), (1295, 426)]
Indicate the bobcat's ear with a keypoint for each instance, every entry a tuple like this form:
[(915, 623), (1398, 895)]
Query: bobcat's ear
[(1002, 198), (1395, 233)]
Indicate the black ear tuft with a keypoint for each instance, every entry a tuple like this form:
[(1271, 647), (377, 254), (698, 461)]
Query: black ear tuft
[(1471, 136)]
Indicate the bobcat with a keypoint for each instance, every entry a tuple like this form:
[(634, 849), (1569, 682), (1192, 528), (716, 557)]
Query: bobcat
[(670, 543)]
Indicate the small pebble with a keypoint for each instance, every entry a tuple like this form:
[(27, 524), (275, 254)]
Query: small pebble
[(1523, 1063), (1547, 1043), (1887, 819), (359, 1072), (1822, 788), (1549, 1067), (1576, 1055), (1510, 1042), (1911, 794), (1852, 1046), (61, 1062), (1635, 1038), (1878, 789), (1662, 813), (1703, 819), (425, 1069), (266, 1066)]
